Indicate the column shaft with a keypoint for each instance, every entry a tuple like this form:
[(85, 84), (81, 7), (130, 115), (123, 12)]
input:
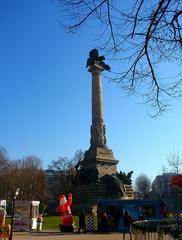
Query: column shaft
[(98, 138)]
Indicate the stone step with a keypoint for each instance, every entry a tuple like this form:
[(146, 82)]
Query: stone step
[(129, 191)]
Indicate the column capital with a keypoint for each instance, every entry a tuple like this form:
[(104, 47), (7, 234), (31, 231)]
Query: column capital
[(96, 67)]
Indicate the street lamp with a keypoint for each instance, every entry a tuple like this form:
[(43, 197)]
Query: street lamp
[(13, 210)]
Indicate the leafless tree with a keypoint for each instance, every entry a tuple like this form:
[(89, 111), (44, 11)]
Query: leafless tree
[(4, 160), (58, 177), (142, 35), (142, 185), (79, 155), (174, 161), (27, 174), (4, 166), (61, 174), (31, 178)]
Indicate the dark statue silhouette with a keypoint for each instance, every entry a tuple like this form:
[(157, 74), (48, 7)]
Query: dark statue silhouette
[(94, 57), (85, 176), (114, 182)]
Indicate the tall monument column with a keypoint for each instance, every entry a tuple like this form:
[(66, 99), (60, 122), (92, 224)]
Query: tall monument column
[(97, 176), (98, 138), (98, 157)]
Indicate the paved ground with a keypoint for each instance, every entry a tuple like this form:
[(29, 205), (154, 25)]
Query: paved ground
[(66, 236)]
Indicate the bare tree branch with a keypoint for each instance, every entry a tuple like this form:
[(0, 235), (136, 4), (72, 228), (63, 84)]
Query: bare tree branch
[(110, 24), (136, 17), (141, 37), (88, 15)]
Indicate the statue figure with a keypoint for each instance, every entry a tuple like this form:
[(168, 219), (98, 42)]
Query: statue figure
[(85, 176), (114, 185), (129, 174), (115, 182), (88, 175), (125, 178), (94, 57)]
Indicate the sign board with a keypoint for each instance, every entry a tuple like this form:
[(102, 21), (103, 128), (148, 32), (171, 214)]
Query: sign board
[(21, 224)]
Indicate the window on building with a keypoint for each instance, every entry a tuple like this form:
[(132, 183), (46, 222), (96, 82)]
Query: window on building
[(147, 211)]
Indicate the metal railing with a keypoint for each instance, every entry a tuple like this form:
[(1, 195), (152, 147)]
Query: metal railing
[(166, 229)]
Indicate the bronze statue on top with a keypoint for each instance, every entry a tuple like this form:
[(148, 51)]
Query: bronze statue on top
[(94, 57)]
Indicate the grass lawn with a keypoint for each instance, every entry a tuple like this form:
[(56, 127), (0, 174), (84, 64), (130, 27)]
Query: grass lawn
[(49, 222), (52, 222)]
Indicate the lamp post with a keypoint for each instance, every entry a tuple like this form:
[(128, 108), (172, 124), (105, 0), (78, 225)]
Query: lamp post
[(13, 210)]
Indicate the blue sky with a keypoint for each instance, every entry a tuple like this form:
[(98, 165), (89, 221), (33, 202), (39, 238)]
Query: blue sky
[(45, 98)]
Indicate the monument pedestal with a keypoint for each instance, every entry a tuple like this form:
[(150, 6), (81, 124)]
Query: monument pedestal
[(85, 196), (100, 158)]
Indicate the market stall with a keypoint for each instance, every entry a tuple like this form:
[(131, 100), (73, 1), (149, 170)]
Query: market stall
[(25, 215)]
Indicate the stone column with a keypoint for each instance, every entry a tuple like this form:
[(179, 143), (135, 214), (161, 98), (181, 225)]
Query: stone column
[(98, 138)]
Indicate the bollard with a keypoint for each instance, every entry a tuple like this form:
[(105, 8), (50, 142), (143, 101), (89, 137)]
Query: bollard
[(39, 223), (90, 222)]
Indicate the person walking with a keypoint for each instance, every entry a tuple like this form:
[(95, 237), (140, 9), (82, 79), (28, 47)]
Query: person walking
[(82, 224), (127, 223), (104, 221)]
